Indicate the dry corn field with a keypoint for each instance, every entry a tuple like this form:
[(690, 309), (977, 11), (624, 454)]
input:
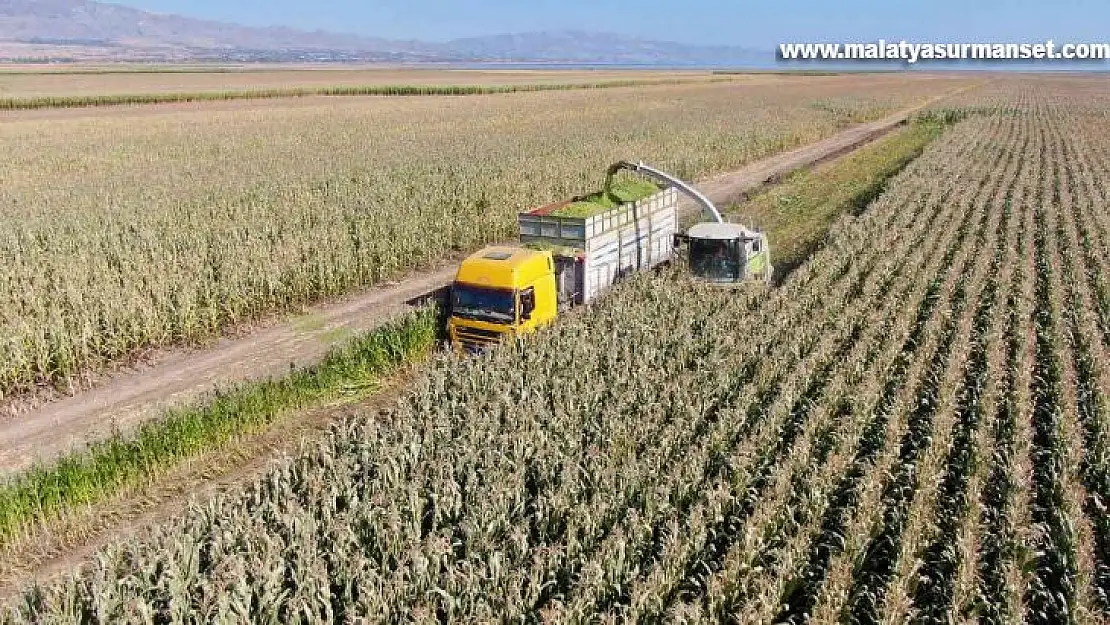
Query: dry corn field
[(911, 428), (98, 82), (132, 229)]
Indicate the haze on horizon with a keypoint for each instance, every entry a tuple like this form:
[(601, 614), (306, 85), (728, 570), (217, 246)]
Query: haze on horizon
[(705, 22)]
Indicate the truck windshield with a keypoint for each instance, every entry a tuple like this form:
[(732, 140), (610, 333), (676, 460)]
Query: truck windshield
[(715, 259), (473, 302)]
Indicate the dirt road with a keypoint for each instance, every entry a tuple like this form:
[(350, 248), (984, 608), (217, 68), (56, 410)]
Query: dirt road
[(178, 376)]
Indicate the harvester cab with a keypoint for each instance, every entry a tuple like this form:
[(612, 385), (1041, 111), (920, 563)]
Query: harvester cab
[(726, 253), (719, 252)]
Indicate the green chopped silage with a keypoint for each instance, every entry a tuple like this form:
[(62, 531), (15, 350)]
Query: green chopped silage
[(621, 192)]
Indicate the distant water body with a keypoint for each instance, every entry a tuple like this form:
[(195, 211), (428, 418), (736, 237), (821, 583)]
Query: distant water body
[(601, 66), (780, 66)]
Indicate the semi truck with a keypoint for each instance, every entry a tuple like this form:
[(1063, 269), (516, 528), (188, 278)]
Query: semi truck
[(565, 259)]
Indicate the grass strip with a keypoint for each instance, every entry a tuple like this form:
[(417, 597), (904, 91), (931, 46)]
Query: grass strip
[(46, 492), (798, 212), (85, 101)]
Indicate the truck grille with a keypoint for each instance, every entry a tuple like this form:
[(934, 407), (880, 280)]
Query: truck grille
[(476, 339)]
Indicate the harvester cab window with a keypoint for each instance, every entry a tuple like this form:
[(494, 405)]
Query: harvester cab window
[(716, 259), (482, 304), (527, 302)]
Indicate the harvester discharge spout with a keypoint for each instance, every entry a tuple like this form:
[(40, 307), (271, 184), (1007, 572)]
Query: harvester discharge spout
[(719, 251), (668, 179)]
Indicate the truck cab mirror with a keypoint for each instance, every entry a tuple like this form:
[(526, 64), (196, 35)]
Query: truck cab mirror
[(527, 303)]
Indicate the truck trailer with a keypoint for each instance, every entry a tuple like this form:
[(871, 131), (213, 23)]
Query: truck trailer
[(563, 261)]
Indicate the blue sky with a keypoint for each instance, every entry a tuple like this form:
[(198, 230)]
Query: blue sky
[(731, 22)]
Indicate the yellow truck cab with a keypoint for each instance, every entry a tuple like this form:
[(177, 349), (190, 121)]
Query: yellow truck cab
[(499, 292)]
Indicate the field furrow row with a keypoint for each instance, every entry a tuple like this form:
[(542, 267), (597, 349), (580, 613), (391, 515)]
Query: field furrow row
[(1085, 422), (1052, 594), (830, 539), (932, 555)]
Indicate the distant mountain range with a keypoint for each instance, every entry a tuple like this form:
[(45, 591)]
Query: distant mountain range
[(87, 30)]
